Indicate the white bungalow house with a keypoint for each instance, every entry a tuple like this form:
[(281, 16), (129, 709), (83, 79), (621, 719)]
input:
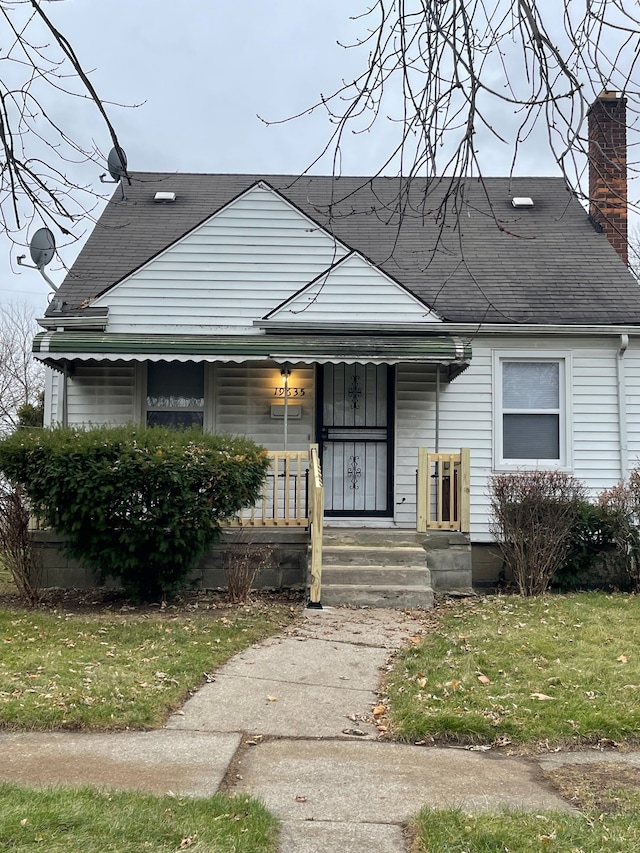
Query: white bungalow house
[(423, 334)]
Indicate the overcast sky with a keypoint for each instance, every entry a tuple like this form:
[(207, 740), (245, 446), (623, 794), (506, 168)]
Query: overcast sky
[(201, 71)]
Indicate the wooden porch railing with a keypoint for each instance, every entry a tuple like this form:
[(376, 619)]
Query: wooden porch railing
[(316, 521), (443, 491), (285, 498)]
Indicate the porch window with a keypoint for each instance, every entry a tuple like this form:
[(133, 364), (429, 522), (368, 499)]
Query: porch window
[(175, 394), (531, 415)]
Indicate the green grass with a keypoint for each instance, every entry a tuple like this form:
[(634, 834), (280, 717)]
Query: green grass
[(458, 832), (67, 820), (557, 669), (116, 670)]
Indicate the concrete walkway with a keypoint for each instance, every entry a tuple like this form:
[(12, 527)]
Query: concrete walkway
[(290, 721)]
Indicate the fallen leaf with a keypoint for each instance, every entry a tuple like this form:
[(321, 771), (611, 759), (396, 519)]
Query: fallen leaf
[(382, 728), (357, 732), (188, 840), (483, 679), (623, 659), (301, 799), (272, 698), (542, 697), (379, 711)]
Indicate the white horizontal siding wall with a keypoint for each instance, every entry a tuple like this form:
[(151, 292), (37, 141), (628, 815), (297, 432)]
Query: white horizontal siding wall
[(243, 396), (467, 417), (466, 412), (631, 363), (52, 382), (415, 427), (101, 394), (357, 291), (231, 270), (466, 421)]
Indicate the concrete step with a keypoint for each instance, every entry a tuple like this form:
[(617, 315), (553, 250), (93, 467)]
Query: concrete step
[(377, 596), (373, 555), (370, 537), (376, 576)]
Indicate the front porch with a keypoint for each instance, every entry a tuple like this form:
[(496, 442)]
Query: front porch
[(385, 564), (357, 561)]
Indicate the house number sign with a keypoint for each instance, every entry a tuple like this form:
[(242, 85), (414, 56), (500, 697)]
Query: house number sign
[(288, 392)]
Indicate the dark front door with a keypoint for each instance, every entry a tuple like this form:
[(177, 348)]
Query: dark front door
[(356, 438)]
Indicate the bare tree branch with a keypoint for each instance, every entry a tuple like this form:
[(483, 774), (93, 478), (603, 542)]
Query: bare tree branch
[(21, 376), (456, 79), (38, 154)]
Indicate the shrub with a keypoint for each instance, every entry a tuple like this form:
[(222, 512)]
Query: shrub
[(622, 503), (135, 503), (533, 514), (592, 544)]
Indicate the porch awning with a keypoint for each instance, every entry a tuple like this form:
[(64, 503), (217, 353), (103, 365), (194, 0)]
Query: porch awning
[(55, 348)]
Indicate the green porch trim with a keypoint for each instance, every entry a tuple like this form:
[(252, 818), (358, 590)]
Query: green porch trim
[(447, 350)]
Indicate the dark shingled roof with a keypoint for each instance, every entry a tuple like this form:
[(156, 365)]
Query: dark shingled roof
[(469, 255)]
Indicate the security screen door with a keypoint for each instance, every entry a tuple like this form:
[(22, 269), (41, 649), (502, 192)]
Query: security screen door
[(356, 438)]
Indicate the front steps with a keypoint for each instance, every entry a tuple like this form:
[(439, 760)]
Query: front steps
[(375, 568)]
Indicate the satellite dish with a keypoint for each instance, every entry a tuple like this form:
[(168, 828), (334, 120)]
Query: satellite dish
[(42, 248), (117, 164)]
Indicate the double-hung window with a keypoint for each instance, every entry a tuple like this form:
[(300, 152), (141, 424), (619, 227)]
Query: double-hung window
[(175, 394), (531, 414)]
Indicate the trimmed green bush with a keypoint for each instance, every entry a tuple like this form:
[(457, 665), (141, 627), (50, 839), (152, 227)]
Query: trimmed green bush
[(135, 503), (591, 560)]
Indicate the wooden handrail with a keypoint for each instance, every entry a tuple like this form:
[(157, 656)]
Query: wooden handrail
[(316, 521), (285, 493), (443, 489)]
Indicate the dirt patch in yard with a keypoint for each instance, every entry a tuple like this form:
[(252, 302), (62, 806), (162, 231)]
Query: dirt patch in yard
[(92, 601), (608, 787)]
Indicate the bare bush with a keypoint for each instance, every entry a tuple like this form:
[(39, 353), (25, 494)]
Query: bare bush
[(16, 548), (533, 516), (243, 562)]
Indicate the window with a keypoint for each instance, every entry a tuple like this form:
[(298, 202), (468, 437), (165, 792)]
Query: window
[(175, 394), (531, 411)]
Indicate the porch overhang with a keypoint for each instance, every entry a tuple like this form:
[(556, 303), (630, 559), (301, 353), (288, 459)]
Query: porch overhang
[(56, 348)]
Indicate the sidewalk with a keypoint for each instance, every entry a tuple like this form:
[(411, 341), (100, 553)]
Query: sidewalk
[(289, 721)]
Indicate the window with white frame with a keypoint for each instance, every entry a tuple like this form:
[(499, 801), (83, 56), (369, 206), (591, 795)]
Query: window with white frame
[(175, 394), (531, 413)]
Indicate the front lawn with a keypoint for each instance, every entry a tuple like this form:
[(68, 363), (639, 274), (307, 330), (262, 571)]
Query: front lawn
[(64, 819), (121, 669), (557, 670), (459, 832)]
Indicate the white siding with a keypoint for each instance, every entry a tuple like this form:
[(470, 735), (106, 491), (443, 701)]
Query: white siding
[(52, 381), (466, 413), (231, 270), (415, 427), (101, 394), (243, 396), (466, 417), (357, 291), (631, 363)]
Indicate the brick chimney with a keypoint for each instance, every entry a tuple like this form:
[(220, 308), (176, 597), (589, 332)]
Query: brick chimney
[(607, 125)]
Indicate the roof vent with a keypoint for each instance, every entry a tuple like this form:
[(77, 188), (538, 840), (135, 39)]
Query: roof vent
[(166, 198), (522, 201)]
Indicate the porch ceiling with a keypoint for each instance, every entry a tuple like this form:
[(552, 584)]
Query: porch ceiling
[(56, 347)]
